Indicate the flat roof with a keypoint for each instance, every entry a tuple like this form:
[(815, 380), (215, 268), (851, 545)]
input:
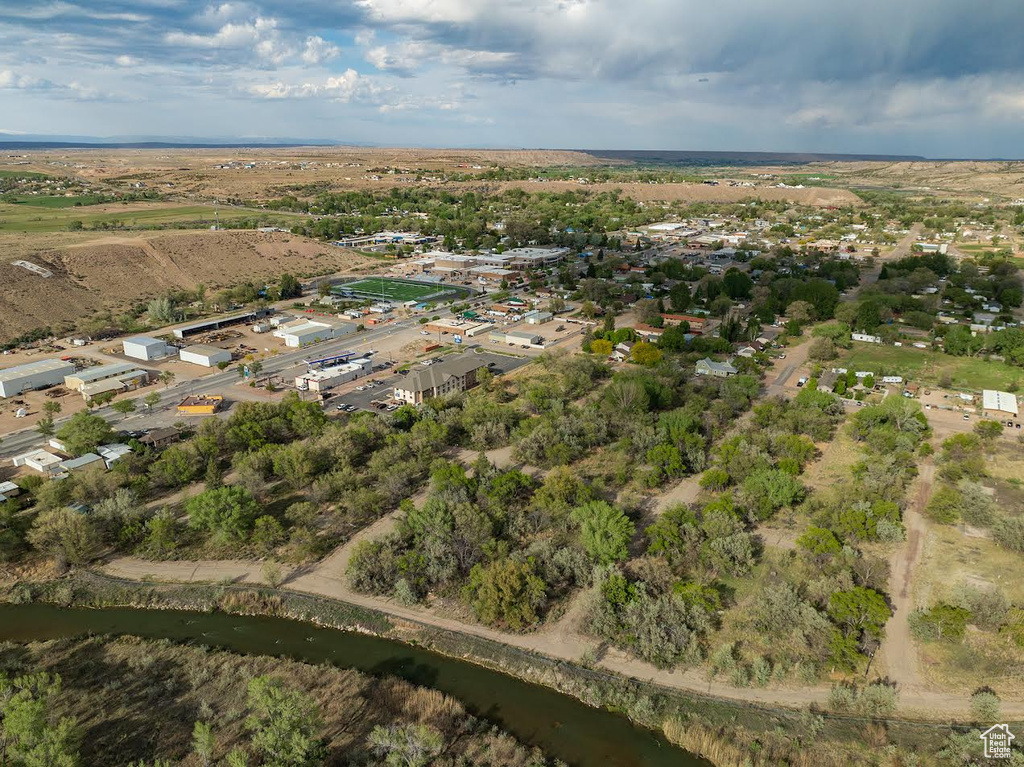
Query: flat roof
[(201, 399), (144, 341), (101, 387), (197, 327), (205, 349), (1004, 401), (82, 460), (105, 371), (31, 368)]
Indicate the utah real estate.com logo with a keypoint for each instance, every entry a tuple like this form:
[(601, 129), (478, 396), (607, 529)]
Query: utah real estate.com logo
[(997, 740)]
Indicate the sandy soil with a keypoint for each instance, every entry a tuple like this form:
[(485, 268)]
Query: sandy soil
[(110, 272)]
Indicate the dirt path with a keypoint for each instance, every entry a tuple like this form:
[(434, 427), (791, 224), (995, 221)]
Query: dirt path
[(685, 491), (897, 656)]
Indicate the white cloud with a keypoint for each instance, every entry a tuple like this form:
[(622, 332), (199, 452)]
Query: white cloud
[(124, 60), (344, 87), (318, 50)]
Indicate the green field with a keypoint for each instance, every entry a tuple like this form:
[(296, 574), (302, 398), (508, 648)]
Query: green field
[(55, 201), (24, 217), (926, 366), (395, 290), (24, 174)]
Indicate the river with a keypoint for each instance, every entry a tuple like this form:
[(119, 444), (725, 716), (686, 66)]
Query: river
[(558, 724)]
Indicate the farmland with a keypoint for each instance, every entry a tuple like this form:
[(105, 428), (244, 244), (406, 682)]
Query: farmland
[(56, 214), (928, 366)]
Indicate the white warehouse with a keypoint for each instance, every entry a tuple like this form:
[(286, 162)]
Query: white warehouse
[(327, 378), (145, 348), (207, 356), (34, 375), (304, 332)]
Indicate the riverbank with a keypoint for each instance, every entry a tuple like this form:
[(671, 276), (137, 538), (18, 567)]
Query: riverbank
[(727, 731)]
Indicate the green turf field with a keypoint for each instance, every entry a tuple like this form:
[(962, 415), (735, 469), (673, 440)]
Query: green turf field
[(394, 290)]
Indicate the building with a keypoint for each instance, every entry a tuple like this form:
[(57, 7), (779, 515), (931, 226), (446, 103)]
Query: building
[(42, 461), (454, 375), (234, 319), (158, 438), (304, 332), (207, 356), (72, 465), (537, 317), (32, 376), (866, 338), (200, 404), (999, 403), (8, 490), (327, 378), (708, 367), (516, 337), (117, 377), (145, 348), (113, 453), (695, 322)]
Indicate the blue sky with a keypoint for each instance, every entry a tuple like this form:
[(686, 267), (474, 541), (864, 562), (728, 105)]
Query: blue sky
[(941, 78)]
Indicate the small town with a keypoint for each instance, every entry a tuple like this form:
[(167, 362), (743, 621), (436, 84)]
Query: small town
[(325, 441)]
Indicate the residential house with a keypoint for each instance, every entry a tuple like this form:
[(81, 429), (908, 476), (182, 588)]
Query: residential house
[(708, 367)]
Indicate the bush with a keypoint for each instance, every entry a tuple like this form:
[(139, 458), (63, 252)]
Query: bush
[(1009, 533), (940, 623), (985, 706), (877, 700)]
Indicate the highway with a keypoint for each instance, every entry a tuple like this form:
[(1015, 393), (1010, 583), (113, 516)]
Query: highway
[(163, 412)]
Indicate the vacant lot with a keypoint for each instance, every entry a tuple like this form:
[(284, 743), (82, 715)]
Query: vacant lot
[(929, 366)]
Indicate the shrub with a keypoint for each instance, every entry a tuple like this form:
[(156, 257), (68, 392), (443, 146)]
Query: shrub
[(1009, 533), (986, 706), (940, 623)]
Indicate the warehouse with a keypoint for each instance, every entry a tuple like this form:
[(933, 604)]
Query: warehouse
[(125, 372), (304, 332), (207, 356), (34, 375), (999, 403), (234, 319), (118, 384), (516, 337), (145, 348), (538, 317), (327, 378)]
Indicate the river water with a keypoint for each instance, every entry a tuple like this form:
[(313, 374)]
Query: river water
[(560, 725)]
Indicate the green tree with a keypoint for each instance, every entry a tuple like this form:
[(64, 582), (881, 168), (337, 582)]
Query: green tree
[(124, 406), (859, 610), (604, 530), (506, 592), (988, 430), (819, 542), (768, 490), (31, 736), (229, 511), (66, 534), (84, 433), (285, 724), (645, 353), (151, 400), (289, 287), (203, 743), (601, 347)]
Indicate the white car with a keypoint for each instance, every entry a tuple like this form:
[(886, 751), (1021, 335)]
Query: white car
[(424, 332)]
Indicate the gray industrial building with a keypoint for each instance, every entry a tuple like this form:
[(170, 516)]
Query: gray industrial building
[(34, 375), (145, 348)]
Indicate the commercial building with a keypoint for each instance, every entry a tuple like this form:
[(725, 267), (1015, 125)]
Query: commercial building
[(207, 356), (516, 337), (329, 377), (538, 317), (200, 404), (221, 322), (999, 403), (120, 375), (520, 259), (145, 348), (304, 332), (32, 376), (454, 375)]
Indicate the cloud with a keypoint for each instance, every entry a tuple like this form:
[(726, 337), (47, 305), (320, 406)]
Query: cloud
[(345, 87), (318, 50)]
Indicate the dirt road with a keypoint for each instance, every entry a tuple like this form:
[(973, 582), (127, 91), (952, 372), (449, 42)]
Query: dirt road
[(897, 656)]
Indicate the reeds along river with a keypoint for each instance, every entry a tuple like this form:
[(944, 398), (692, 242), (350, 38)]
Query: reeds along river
[(558, 724)]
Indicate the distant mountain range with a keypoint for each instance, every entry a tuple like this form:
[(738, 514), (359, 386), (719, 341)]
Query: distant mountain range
[(10, 140)]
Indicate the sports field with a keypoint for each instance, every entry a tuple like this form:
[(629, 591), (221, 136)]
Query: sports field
[(394, 290)]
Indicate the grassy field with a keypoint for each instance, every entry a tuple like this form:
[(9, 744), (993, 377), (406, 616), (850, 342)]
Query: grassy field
[(55, 201), (395, 290), (926, 366), (52, 217), (23, 174)]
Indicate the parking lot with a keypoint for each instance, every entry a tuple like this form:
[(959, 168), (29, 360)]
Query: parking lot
[(361, 399)]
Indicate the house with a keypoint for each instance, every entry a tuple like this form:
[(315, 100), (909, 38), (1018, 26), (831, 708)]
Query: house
[(749, 350), (708, 367), (454, 375), (827, 381), (39, 460), (72, 465), (769, 335), (8, 490), (158, 438), (622, 351), (866, 338), (113, 453)]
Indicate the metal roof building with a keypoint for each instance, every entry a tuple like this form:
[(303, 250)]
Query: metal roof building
[(34, 375), (999, 401)]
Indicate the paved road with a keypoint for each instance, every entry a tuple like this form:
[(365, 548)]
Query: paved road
[(164, 411)]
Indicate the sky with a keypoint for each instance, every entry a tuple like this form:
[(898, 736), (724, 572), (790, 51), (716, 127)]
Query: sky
[(939, 78)]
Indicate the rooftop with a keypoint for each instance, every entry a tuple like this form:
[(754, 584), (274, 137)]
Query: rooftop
[(29, 368), (436, 375)]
